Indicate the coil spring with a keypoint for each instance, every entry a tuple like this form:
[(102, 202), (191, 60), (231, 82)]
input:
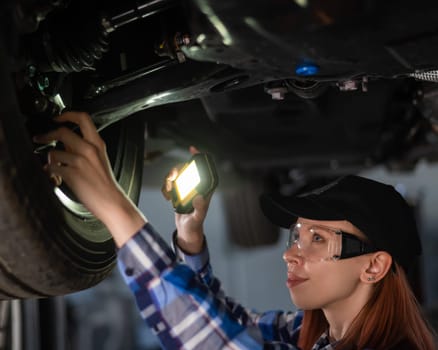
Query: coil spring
[(74, 51), (431, 76)]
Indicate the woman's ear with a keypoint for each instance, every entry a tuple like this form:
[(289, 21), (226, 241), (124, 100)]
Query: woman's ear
[(378, 266)]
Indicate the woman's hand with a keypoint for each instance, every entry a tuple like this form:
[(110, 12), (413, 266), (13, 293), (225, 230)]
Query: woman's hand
[(190, 231), (85, 168)]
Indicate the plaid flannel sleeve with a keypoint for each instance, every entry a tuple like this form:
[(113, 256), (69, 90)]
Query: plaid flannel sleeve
[(179, 308), (186, 307)]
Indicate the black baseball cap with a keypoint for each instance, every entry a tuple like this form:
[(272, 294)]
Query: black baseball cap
[(377, 209)]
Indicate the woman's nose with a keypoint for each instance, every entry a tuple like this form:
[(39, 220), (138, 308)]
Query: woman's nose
[(292, 255)]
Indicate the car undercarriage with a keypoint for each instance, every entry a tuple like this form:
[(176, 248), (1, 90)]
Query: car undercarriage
[(309, 86), (284, 93)]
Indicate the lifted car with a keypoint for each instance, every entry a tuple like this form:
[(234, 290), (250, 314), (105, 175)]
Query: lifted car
[(285, 93)]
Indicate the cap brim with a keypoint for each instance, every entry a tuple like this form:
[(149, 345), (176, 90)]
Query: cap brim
[(283, 211)]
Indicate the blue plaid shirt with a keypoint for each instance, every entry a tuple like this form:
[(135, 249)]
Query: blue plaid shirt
[(184, 305)]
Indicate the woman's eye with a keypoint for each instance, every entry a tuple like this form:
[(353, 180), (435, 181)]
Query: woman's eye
[(317, 238)]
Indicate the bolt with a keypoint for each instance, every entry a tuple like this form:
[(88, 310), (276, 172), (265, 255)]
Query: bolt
[(277, 93), (31, 70), (186, 39), (365, 84), (40, 104), (180, 57), (182, 39), (348, 85), (43, 83), (106, 24), (201, 38)]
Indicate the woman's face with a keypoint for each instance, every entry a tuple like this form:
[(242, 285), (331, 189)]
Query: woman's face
[(314, 280)]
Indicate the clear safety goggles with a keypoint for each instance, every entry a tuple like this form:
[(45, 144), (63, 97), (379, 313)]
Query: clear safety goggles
[(321, 243)]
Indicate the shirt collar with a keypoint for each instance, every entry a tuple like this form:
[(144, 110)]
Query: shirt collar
[(323, 342)]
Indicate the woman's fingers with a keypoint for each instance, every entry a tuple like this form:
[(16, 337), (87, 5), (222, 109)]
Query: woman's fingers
[(201, 204), (56, 180), (64, 135), (85, 123), (57, 163), (193, 150), (166, 189), (74, 144), (57, 173), (62, 158), (68, 137)]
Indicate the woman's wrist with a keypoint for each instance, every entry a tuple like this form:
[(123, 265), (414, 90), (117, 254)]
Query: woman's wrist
[(123, 219), (190, 243)]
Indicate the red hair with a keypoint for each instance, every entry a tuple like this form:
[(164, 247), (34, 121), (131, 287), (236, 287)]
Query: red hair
[(390, 316)]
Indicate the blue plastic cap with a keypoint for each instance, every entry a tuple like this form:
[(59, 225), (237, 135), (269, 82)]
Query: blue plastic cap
[(306, 69)]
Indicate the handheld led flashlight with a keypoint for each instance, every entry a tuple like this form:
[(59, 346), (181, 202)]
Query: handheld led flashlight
[(198, 176)]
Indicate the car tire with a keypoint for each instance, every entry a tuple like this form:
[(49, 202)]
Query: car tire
[(46, 247)]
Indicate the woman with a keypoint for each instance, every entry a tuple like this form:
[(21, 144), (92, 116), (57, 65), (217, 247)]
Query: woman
[(349, 243), (366, 302), (375, 311)]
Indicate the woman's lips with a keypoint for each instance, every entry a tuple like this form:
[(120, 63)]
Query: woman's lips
[(293, 281)]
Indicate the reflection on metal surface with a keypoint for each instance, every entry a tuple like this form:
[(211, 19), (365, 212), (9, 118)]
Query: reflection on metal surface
[(16, 325), (156, 98), (72, 205), (217, 23), (302, 3), (57, 99)]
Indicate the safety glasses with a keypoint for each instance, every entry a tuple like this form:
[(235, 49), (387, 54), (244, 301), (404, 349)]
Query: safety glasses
[(322, 243)]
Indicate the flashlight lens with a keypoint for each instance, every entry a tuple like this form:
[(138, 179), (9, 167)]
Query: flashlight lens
[(187, 180)]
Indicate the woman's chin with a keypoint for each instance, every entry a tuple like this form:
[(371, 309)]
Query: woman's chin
[(303, 303)]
